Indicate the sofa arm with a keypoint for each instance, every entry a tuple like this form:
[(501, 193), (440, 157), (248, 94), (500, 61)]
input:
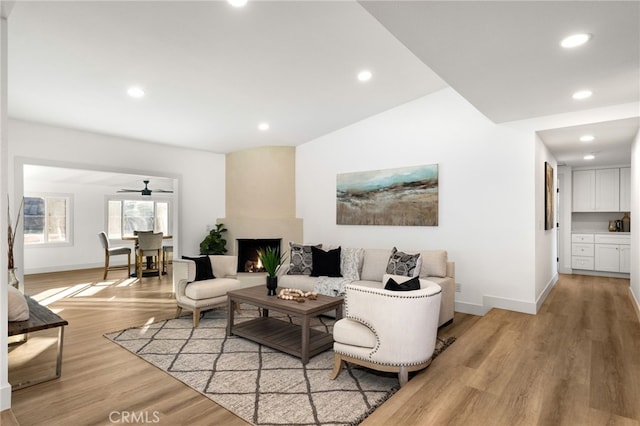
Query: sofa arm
[(392, 315), (451, 269), (183, 270)]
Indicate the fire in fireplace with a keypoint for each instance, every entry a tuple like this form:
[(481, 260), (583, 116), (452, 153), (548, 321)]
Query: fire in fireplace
[(248, 252)]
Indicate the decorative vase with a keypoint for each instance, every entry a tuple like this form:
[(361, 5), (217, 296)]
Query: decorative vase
[(272, 284), (13, 279), (626, 223)]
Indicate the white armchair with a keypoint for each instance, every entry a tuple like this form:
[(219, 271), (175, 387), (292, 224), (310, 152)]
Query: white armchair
[(385, 330), (200, 295)]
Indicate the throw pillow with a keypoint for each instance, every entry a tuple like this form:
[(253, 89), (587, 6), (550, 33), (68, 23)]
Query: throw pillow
[(204, 271), (401, 263), (410, 284), (351, 262), (17, 304), (325, 263), (301, 259)]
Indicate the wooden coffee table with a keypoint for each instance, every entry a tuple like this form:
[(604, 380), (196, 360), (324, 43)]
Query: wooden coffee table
[(296, 340)]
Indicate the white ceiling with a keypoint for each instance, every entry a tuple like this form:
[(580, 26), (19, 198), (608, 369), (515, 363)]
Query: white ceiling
[(213, 72)]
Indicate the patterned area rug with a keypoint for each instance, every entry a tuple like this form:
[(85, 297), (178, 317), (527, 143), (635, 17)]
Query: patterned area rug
[(257, 383)]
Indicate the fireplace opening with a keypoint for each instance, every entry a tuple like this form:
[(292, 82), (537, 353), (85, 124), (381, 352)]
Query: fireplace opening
[(248, 253)]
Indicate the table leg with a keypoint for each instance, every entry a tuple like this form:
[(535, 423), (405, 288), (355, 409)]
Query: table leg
[(339, 312), (305, 339), (230, 311), (59, 357)]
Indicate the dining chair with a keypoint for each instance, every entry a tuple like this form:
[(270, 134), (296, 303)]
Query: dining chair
[(149, 246), (113, 251), (167, 257)]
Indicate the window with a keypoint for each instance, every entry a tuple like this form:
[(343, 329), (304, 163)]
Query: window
[(46, 219), (126, 216)]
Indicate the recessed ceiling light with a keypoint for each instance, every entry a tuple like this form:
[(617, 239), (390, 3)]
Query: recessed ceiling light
[(589, 157), (237, 3), (582, 94), (364, 75), (135, 92), (575, 40), (586, 138), (263, 126)]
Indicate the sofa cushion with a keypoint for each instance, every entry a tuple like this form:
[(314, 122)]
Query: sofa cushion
[(18, 309), (204, 271), (224, 265), (434, 263), (325, 263), (374, 264), (208, 289), (353, 333), (300, 259), (408, 285), (401, 263)]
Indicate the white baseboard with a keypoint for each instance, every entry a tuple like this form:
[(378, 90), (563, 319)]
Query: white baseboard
[(5, 397), (545, 293), (48, 269), (509, 304), (635, 302), (471, 308)]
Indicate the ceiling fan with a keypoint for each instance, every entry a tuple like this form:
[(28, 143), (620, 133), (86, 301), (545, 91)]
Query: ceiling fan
[(146, 190)]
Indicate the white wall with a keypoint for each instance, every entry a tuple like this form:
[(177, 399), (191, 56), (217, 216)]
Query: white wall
[(546, 240), (486, 190), (198, 198), (635, 216)]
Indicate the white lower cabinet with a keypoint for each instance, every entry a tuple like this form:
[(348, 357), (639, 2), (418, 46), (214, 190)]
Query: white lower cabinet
[(601, 252), (607, 257), (612, 253), (625, 259)]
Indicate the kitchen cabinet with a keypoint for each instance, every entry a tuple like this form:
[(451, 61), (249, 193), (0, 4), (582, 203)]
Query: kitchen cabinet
[(625, 189), (582, 252), (601, 252), (625, 259), (612, 253), (596, 190)]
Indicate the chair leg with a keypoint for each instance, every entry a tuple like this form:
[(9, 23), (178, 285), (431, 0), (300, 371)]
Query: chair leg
[(178, 312), (403, 375), (106, 265), (196, 317), (338, 363), (128, 265)]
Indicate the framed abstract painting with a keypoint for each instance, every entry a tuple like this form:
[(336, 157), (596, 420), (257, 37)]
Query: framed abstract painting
[(406, 196)]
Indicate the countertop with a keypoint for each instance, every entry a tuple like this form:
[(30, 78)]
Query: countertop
[(591, 231)]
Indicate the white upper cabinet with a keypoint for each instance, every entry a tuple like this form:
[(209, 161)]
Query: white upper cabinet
[(625, 189), (596, 190), (584, 190)]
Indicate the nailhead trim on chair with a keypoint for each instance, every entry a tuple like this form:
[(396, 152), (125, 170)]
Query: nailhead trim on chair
[(375, 333)]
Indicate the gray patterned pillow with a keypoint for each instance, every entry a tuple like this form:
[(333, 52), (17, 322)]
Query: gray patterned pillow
[(300, 259), (401, 263)]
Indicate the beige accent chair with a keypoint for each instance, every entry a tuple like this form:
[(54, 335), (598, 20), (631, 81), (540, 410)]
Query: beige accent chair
[(393, 331), (201, 295), (149, 245), (113, 251)]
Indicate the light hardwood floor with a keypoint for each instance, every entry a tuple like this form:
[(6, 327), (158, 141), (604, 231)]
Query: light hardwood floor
[(576, 363)]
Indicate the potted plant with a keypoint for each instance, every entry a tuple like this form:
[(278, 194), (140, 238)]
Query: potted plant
[(213, 243), (271, 260)]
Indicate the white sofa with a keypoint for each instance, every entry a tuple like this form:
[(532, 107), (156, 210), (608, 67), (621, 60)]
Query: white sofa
[(372, 267)]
